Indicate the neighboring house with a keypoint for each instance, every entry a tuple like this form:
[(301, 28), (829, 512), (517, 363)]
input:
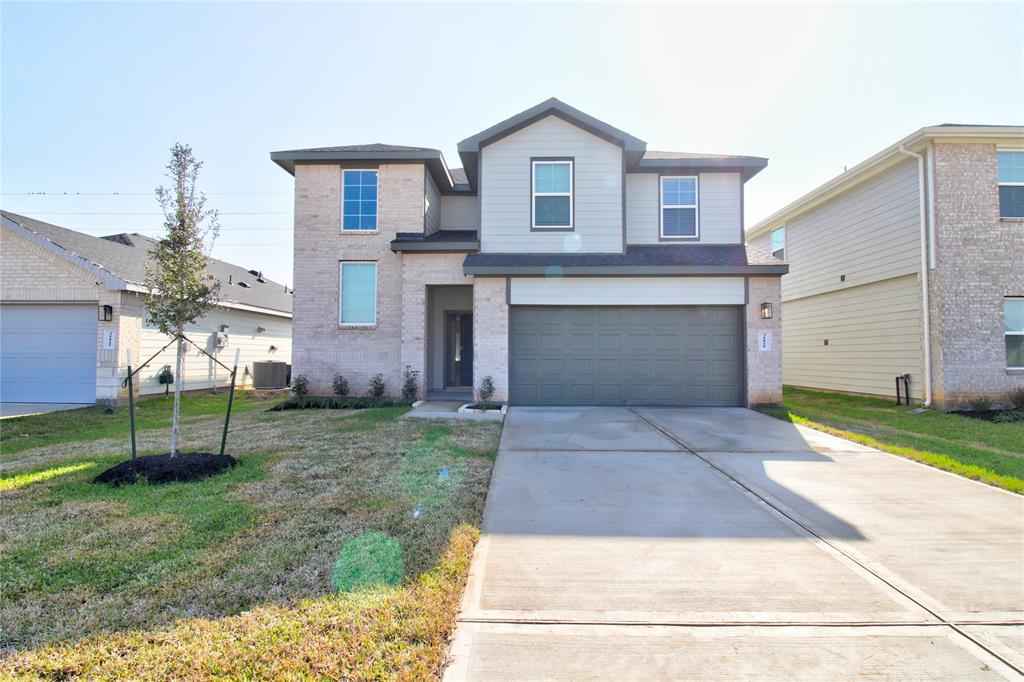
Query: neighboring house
[(72, 306), (937, 217), (564, 261)]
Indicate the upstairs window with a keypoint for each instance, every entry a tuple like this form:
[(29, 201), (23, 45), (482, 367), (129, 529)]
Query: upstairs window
[(1011, 184), (1013, 323), (779, 243), (359, 201), (552, 194), (679, 207)]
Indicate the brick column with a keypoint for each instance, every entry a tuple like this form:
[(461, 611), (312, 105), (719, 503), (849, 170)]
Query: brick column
[(490, 334), (764, 368)]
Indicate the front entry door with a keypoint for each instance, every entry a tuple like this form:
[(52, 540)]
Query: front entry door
[(458, 354)]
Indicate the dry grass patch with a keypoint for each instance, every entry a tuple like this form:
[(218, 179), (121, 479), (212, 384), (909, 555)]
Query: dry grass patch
[(231, 575)]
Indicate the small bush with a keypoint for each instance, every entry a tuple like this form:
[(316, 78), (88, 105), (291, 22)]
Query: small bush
[(300, 386), (337, 403), (1009, 417), (1017, 398), (340, 385), (486, 390), (980, 404), (410, 383), (377, 386)]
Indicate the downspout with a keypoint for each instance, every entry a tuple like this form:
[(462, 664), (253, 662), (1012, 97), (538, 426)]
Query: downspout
[(925, 302)]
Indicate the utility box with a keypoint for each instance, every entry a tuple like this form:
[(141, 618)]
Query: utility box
[(270, 374)]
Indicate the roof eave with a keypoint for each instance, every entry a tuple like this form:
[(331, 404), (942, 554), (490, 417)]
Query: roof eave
[(433, 159), (401, 246), (625, 270), (748, 167), (881, 161)]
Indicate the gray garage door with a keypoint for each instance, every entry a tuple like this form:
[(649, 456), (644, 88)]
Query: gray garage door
[(48, 353), (625, 355)]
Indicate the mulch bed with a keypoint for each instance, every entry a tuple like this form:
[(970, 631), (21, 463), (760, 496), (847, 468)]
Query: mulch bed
[(185, 467), (986, 416)]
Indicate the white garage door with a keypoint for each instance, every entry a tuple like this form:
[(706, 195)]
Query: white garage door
[(48, 353)]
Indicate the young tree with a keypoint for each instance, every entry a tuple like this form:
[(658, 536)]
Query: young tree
[(179, 291)]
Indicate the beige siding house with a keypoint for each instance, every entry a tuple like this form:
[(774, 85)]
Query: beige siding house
[(72, 306), (934, 217), (566, 262)]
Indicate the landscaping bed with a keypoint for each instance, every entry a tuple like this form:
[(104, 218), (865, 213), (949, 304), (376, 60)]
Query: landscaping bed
[(983, 450), (235, 575), (336, 403), (155, 469)]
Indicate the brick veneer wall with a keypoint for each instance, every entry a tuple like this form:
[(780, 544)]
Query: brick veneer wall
[(978, 264), (764, 368), (321, 346), (490, 334)]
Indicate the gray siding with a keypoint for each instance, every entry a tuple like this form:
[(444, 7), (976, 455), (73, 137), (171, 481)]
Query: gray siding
[(720, 208), (869, 233), (431, 206), (873, 332), (505, 191), (460, 213)]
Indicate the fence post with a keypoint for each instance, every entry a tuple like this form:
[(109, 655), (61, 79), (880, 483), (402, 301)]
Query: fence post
[(231, 399), (131, 402)]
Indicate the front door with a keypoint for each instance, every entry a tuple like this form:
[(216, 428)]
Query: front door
[(458, 353)]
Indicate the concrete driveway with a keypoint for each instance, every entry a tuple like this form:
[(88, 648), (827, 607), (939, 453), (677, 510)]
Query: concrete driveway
[(661, 543)]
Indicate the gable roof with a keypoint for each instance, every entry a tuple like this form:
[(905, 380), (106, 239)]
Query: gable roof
[(124, 257), (916, 141)]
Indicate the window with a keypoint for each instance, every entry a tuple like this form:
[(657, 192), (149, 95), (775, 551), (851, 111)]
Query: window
[(779, 242), (552, 194), (1011, 184), (357, 300), (679, 207), (359, 203), (1013, 322)]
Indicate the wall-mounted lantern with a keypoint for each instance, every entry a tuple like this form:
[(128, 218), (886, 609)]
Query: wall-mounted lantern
[(225, 328), (766, 311), (105, 313)]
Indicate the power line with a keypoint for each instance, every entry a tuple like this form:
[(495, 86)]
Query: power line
[(160, 214), (133, 194), (160, 228)]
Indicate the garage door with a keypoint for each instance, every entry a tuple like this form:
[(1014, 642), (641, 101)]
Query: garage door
[(625, 355), (48, 353)]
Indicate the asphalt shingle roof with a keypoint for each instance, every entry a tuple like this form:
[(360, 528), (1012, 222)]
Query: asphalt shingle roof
[(125, 256), (371, 148), (640, 255)]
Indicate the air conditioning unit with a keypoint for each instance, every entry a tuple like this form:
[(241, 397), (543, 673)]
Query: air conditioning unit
[(270, 374)]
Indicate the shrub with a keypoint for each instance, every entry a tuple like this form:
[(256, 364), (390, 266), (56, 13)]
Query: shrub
[(486, 389), (377, 387), (1017, 398), (410, 383), (359, 402), (340, 385), (300, 386), (1009, 417), (980, 404)]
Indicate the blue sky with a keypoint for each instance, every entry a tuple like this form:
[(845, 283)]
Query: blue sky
[(93, 95)]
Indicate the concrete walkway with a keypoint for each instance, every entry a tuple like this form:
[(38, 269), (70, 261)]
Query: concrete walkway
[(8, 410), (654, 544)]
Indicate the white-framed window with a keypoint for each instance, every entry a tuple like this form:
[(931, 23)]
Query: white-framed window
[(551, 203), (779, 242), (357, 293), (1011, 183), (1013, 324), (358, 200), (679, 207)]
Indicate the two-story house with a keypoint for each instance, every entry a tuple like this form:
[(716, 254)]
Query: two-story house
[(911, 262), (564, 260)]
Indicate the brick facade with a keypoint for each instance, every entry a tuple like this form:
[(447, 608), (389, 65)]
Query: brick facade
[(978, 264), (764, 368), (490, 334)]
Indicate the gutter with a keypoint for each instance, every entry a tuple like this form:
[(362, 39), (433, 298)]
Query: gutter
[(925, 302)]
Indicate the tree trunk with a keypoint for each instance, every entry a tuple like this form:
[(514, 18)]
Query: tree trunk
[(177, 398)]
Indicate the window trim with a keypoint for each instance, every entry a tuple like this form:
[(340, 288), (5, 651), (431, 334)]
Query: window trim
[(785, 243), (552, 160), (695, 206), (1009, 333), (341, 284), (376, 201)]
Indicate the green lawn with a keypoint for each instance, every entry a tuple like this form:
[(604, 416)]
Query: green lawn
[(993, 453), (90, 423), (232, 576)]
